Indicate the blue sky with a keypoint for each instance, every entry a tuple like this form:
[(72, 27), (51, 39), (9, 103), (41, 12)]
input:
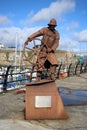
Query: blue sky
[(23, 17)]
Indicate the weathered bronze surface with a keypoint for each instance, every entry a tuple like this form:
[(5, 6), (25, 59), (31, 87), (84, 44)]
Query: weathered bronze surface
[(51, 109), (49, 43), (37, 107)]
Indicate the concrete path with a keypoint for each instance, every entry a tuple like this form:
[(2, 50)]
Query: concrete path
[(12, 110)]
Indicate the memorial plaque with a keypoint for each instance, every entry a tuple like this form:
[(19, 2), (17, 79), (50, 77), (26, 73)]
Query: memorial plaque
[(42, 101)]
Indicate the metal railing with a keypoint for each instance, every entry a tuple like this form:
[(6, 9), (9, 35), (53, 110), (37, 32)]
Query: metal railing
[(12, 76)]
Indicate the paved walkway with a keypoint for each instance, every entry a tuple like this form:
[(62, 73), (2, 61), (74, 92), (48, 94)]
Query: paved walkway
[(12, 114)]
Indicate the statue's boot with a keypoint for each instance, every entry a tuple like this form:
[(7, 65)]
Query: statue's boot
[(52, 72), (39, 73)]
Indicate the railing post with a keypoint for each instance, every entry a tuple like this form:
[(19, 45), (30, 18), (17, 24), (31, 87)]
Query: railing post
[(85, 70), (69, 69), (76, 68), (81, 70), (5, 79), (59, 70)]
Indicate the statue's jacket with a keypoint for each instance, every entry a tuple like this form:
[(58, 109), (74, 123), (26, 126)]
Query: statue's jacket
[(50, 40)]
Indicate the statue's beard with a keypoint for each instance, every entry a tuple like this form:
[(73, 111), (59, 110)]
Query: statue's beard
[(52, 29)]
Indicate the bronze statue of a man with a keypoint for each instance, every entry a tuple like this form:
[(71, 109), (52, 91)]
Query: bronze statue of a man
[(49, 43)]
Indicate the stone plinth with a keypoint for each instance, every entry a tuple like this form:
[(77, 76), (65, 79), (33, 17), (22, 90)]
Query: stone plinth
[(43, 101)]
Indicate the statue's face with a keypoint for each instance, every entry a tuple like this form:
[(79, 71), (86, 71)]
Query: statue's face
[(52, 27)]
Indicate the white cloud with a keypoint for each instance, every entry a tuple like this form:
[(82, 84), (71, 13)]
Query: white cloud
[(8, 35), (81, 36), (56, 9), (72, 26), (8, 38), (4, 20), (68, 44)]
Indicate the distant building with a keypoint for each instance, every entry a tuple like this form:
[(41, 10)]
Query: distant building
[(11, 48), (1, 45)]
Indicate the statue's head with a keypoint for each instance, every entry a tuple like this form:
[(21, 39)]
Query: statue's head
[(52, 24)]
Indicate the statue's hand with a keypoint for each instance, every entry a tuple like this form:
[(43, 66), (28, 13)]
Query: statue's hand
[(26, 42), (49, 50)]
